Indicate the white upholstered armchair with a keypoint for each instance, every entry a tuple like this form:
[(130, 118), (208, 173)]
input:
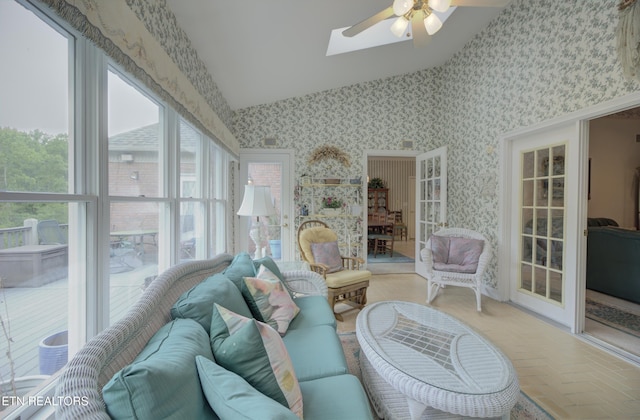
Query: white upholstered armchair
[(456, 257)]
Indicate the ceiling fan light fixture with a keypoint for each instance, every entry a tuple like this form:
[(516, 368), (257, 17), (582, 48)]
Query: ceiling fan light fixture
[(432, 23), (440, 5), (400, 26), (401, 7)]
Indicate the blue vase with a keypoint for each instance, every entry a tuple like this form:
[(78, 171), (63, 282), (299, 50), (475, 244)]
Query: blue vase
[(276, 248)]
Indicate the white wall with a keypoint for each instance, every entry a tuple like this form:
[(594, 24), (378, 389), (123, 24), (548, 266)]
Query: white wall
[(615, 155)]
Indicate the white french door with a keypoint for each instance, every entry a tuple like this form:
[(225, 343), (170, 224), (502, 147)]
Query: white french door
[(431, 199), (273, 169), (543, 222)]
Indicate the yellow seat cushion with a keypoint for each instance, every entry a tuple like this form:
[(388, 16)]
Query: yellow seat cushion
[(347, 277)]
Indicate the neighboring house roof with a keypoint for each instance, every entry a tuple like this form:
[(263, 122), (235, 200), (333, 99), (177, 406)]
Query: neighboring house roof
[(145, 139)]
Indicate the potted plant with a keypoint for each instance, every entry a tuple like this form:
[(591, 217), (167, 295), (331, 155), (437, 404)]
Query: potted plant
[(331, 205), (376, 183)]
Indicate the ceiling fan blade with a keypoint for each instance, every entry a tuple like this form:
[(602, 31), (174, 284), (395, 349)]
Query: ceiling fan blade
[(419, 32), (369, 22), (480, 3)]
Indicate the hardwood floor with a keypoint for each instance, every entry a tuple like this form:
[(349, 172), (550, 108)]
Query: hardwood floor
[(562, 373)]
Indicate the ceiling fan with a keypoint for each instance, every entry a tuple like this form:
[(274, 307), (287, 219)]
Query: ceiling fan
[(424, 22)]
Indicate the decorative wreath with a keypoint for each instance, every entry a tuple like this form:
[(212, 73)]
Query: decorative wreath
[(329, 152)]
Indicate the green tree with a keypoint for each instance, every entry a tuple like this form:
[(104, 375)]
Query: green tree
[(33, 162)]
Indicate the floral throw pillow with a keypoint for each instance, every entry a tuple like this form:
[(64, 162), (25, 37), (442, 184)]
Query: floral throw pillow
[(327, 253), (269, 301)]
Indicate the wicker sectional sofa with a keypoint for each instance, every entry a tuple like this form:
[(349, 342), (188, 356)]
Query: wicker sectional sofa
[(132, 369)]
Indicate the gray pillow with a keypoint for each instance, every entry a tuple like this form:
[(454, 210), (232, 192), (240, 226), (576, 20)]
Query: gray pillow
[(327, 253)]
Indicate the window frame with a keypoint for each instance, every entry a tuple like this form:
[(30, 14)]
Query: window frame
[(88, 199)]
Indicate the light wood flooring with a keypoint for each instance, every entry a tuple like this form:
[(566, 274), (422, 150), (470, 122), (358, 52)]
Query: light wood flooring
[(566, 376)]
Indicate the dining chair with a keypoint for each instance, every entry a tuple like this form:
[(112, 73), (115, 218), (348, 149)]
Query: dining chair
[(400, 227), (382, 240)]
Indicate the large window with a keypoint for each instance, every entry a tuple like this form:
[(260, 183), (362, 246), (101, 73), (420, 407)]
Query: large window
[(136, 189), (39, 239), (87, 220), (202, 203)]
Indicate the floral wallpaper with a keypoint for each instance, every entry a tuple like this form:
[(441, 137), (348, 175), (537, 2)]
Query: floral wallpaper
[(537, 60), (493, 87), (161, 23), (142, 36), (371, 115)]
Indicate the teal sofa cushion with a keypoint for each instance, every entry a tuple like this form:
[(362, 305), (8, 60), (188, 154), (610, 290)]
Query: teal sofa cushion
[(241, 267), (162, 382), (197, 303), (231, 397), (335, 397), (315, 352), (314, 311), (255, 351)]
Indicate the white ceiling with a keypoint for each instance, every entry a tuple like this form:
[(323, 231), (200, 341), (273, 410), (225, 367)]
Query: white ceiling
[(262, 51)]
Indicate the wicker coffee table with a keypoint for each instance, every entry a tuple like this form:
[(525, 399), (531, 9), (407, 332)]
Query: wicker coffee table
[(419, 361)]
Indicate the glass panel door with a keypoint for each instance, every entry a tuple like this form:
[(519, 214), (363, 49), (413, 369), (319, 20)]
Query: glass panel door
[(543, 223), (431, 202), (272, 170)]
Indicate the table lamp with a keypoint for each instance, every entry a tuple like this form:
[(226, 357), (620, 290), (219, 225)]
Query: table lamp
[(256, 202)]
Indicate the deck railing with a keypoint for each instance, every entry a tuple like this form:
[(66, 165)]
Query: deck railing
[(23, 235), (14, 237)]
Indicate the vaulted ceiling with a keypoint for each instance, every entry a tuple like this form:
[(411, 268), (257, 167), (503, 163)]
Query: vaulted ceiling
[(262, 51)]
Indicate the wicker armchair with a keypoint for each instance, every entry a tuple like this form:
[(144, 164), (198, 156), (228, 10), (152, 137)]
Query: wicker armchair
[(349, 285), (437, 278)]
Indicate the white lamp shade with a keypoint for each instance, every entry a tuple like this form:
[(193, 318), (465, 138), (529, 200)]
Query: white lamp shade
[(401, 7), (440, 5), (399, 26), (432, 23), (256, 201)]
